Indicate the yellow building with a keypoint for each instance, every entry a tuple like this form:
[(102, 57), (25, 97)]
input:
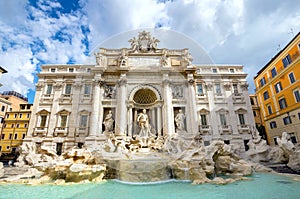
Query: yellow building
[(278, 92), (4, 107), (15, 128)]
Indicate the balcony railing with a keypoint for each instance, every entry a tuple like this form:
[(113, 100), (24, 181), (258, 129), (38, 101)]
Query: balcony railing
[(204, 129), (244, 128), (60, 131), (82, 131), (40, 131), (225, 129)]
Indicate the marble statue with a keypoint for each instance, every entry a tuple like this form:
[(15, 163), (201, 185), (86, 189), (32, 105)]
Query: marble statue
[(143, 122), (164, 59), (134, 44), (179, 120), (108, 122), (123, 58)]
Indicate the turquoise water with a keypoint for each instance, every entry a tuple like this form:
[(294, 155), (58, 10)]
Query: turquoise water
[(262, 186)]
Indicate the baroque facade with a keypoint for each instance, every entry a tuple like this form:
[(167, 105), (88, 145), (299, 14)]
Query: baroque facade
[(138, 91)]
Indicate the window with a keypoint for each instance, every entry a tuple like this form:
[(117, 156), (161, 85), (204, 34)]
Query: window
[(266, 95), (83, 121), (214, 70), (25, 125), (278, 87), (3, 108), (227, 142), (235, 88), (43, 120), (223, 119), (286, 61), (292, 77), (262, 81), (71, 70), (282, 103), (231, 70), (275, 140), (299, 115), (88, 70), (17, 125), (297, 96), (52, 70), (273, 125), (252, 101), (28, 115), (203, 120), (7, 116), (63, 120), (16, 115), (10, 136), (246, 145), (49, 89), (241, 119), (218, 88), (15, 136), (12, 125), (87, 89), (199, 89), (1, 120), (23, 136), (287, 120), (68, 89), (293, 138), (254, 113), (2, 136), (273, 72), (269, 109), (20, 116)]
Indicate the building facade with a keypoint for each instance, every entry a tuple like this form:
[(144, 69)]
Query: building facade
[(278, 92), (81, 104), (15, 128)]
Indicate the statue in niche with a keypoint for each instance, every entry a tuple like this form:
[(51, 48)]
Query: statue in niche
[(143, 122), (179, 120), (108, 122)]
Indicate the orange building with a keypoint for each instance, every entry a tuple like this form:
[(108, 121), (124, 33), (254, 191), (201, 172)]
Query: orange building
[(278, 92)]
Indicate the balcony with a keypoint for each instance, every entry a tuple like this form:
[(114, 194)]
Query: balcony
[(65, 99), (46, 99), (225, 129), (205, 129), (40, 131), (238, 97), (244, 128), (60, 131), (82, 131)]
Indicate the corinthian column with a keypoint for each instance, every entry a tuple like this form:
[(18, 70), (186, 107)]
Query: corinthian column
[(191, 112), (121, 117), (96, 107), (168, 115)]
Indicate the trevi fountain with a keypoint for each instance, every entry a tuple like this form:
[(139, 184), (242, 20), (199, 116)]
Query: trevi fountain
[(161, 146)]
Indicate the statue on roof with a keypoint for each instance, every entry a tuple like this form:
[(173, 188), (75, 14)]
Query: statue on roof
[(144, 43)]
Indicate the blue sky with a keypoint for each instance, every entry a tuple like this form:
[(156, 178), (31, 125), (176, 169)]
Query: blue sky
[(35, 32)]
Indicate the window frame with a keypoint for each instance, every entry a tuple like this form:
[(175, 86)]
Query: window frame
[(293, 79), (282, 103), (266, 95), (273, 72), (296, 96)]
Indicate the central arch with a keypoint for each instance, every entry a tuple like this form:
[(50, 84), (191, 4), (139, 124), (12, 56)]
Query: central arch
[(147, 97)]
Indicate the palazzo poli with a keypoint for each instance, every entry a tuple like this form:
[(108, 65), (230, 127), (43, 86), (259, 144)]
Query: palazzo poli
[(140, 91)]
